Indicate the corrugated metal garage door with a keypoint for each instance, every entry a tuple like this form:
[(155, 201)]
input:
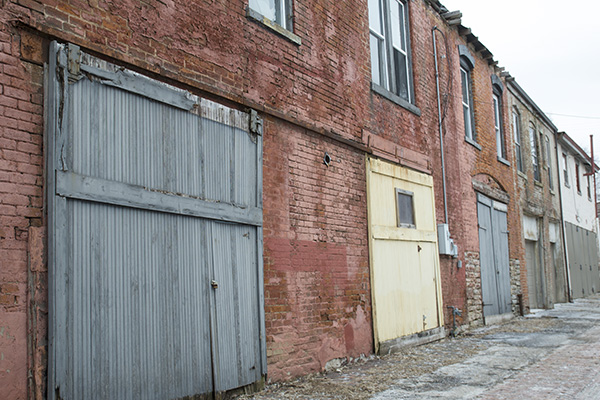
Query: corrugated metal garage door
[(583, 261), (494, 259), (155, 244)]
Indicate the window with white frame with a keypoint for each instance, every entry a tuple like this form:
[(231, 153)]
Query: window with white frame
[(278, 11), (516, 119), (467, 102), (565, 170), (533, 141), (467, 63), (498, 88), (548, 158), (405, 209), (390, 55), (589, 186), (500, 145)]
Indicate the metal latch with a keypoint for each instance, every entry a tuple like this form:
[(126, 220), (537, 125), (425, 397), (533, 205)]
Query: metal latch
[(214, 284)]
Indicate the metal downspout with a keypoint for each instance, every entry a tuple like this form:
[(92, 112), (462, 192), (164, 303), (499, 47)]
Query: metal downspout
[(562, 220), (437, 86)]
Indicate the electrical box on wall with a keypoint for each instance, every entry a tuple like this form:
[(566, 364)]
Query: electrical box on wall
[(445, 243)]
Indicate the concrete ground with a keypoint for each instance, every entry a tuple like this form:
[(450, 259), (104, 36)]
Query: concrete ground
[(549, 354)]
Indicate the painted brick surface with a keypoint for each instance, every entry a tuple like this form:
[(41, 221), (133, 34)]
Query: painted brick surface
[(20, 205), (317, 296)]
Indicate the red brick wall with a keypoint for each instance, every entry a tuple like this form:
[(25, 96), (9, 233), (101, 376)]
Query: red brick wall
[(316, 258), (317, 295), (21, 161)]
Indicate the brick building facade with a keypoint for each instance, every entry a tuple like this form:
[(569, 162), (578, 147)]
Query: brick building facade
[(539, 198), (310, 78)]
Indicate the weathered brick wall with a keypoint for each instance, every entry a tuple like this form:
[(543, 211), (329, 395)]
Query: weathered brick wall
[(21, 162), (474, 298), (515, 286), (317, 295), (213, 49), (535, 198), (213, 46)]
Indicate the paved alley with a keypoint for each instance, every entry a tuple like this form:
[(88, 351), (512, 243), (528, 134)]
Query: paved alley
[(549, 354)]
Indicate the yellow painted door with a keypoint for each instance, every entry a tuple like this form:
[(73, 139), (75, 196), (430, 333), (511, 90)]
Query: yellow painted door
[(403, 249)]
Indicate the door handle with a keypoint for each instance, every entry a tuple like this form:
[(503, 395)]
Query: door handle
[(214, 284)]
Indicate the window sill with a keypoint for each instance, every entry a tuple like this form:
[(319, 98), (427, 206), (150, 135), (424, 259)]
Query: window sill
[(538, 183), (552, 192), (472, 143), (275, 27), (567, 185), (522, 174), (503, 161), (395, 99), (579, 192)]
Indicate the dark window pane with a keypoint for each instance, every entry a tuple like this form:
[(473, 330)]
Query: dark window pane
[(405, 209), (375, 61), (401, 75)]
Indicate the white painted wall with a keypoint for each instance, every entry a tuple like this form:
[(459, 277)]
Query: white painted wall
[(578, 208)]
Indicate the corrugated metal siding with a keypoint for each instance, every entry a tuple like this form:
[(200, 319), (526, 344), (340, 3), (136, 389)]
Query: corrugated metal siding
[(133, 311), (138, 319), (500, 231), (583, 261)]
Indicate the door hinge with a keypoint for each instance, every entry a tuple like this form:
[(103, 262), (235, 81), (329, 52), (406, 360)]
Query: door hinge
[(256, 125), (73, 62)]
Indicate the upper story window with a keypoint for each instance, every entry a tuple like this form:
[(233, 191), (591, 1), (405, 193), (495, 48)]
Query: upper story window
[(516, 122), (278, 11), (389, 41), (533, 141), (548, 158), (577, 181), (497, 104), (467, 63), (500, 149), (565, 170)]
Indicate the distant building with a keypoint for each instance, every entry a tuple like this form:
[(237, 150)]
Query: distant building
[(579, 214)]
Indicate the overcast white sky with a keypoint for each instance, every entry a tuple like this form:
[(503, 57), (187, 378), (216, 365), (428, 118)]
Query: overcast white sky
[(552, 49)]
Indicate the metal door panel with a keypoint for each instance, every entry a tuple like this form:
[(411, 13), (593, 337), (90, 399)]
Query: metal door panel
[(137, 303), (494, 256), (534, 276), (489, 289), (500, 233), (398, 288), (135, 185), (404, 260), (235, 298)]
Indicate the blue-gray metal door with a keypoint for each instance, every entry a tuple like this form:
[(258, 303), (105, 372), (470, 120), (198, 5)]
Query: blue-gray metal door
[(494, 256), (155, 237)]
